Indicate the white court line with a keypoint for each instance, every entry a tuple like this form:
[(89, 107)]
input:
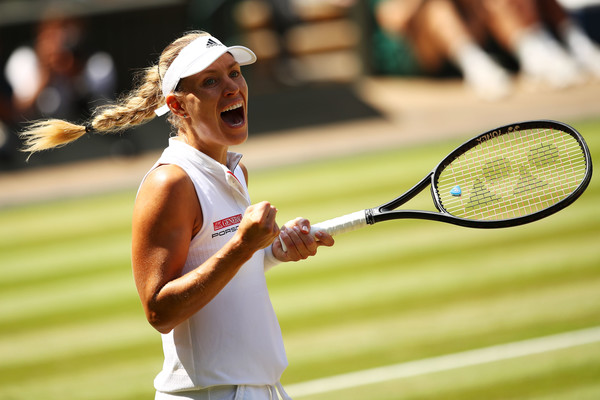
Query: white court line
[(447, 362)]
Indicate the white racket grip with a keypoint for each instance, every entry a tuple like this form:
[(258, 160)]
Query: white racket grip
[(343, 224), (336, 226)]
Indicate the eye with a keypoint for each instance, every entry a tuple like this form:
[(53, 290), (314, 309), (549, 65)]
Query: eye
[(209, 82), (235, 74)]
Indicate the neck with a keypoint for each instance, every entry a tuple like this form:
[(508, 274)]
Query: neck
[(217, 153)]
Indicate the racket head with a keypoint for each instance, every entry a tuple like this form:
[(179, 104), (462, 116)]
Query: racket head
[(512, 175)]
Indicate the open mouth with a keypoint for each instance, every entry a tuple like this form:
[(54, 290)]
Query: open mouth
[(234, 115)]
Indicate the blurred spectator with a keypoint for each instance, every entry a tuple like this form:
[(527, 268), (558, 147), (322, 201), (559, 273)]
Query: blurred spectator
[(440, 31), (301, 41), (280, 17), (7, 121), (55, 77), (274, 19), (547, 45)]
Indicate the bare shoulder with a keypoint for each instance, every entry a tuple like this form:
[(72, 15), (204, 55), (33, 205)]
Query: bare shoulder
[(169, 192), (167, 176), (167, 181)]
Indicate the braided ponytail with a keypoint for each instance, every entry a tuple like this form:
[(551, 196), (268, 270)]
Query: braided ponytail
[(135, 108)]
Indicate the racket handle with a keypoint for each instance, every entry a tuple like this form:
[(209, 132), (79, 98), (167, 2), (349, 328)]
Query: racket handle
[(336, 226), (343, 224)]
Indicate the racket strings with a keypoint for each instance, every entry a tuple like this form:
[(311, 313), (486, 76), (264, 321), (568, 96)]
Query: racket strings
[(512, 175), (526, 179)]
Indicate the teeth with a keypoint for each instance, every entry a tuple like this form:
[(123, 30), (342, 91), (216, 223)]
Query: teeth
[(233, 107)]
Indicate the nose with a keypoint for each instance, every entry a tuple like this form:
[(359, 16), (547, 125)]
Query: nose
[(231, 88)]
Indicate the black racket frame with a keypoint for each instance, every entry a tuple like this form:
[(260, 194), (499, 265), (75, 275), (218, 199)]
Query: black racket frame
[(387, 211)]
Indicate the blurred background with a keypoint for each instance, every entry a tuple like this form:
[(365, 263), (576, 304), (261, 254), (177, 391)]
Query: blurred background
[(62, 58)]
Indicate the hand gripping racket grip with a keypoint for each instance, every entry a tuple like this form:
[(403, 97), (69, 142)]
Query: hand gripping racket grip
[(336, 226)]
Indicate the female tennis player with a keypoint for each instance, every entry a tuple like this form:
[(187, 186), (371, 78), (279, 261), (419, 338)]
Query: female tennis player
[(200, 249)]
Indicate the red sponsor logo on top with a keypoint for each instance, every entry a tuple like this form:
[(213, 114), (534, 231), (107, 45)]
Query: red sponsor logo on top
[(225, 222)]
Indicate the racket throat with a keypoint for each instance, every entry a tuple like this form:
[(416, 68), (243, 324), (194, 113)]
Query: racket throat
[(369, 216)]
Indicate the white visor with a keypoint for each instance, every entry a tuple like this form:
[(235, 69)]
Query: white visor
[(196, 57)]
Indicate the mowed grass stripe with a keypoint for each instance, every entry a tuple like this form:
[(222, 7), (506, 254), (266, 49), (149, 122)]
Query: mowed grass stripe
[(554, 375), (75, 339), (64, 301), (76, 259), (119, 373), (449, 362), (64, 220), (372, 294), (450, 327), (425, 288), (533, 377), (59, 237)]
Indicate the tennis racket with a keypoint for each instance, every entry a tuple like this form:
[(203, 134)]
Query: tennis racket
[(505, 177)]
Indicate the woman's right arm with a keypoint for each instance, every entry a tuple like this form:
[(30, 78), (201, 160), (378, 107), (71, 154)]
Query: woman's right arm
[(166, 216)]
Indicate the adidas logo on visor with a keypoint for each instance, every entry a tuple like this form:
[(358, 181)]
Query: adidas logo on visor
[(212, 43)]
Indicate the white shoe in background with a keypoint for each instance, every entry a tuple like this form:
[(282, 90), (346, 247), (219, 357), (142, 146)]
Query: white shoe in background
[(542, 59)]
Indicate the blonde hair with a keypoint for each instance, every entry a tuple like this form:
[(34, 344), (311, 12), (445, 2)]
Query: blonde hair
[(135, 108)]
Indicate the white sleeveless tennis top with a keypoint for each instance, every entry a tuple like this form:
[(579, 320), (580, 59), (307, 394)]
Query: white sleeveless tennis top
[(235, 339)]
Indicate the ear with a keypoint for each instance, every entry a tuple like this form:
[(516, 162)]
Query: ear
[(175, 105)]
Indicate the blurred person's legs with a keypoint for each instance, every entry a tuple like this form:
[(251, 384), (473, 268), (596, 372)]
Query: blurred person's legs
[(439, 33), (523, 28), (585, 51)]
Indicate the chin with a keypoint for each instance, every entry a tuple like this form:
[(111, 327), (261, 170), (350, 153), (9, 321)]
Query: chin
[(240, 136)]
